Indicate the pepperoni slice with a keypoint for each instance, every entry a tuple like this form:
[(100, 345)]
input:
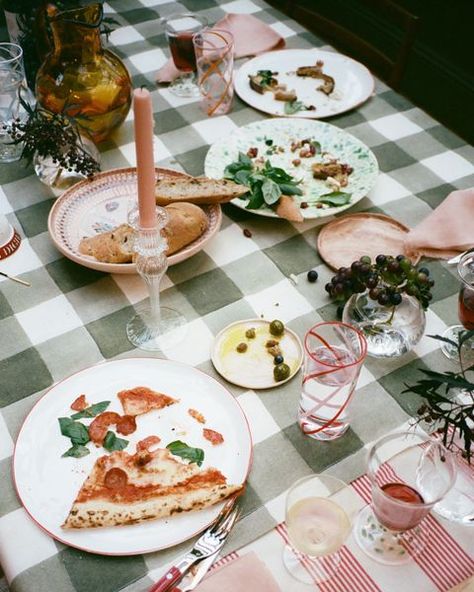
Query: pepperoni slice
[(147, 443), (214, 437), (99, 426), (115, 478), (126, 425), (80, 403)]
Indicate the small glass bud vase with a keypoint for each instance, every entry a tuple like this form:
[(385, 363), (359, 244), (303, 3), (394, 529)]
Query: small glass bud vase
[(153, 327), (390, 331)]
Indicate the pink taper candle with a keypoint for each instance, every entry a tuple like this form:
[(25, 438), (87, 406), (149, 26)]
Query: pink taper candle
[(143, 123)]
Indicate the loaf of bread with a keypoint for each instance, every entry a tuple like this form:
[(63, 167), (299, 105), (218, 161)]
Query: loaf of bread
[(197, 190), (186, 223)]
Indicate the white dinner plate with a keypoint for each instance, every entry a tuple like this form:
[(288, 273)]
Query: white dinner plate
[(102, 204), (283, 131), (354, 83), (253, 368), (47, 484)]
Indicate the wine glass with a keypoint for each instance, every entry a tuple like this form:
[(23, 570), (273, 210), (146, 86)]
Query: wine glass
[(408, 473), (465, 271), (319, 509), (180, 29)]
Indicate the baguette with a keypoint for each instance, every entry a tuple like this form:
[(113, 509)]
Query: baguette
[(186, 223), (198, 190)]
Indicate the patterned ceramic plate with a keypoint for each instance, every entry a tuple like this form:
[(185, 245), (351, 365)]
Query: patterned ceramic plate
[(354, 84), (96, 206), (282, 132)]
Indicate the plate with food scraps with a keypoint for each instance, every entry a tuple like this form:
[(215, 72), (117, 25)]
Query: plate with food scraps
[(47, 482), (90, 208), (246, 353), (325, 169), (306, 83)]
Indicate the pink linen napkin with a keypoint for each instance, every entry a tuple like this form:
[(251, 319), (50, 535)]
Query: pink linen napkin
[(251, 37), (244, 574), (448, 230)]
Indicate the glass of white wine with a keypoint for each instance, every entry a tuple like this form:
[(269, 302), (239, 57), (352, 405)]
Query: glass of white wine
[(319, 512)]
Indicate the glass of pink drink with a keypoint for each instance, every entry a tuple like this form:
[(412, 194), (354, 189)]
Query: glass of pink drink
[(408, 473), (319, 511), (333, 356)]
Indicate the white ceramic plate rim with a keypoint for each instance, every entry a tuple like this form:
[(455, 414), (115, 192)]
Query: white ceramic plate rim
[(271, 384), (212, 512), (248, 95), (125, 268), (310, 213)]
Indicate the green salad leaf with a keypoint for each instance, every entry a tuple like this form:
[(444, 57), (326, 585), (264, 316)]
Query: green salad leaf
[(111, 442), (181, 449), (76, 431), (266, 185), (92, 411), (77, 451), (291, 107), (336, 198)]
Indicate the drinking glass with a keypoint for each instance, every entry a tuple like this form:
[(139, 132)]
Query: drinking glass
[(180, 28), (12, 86), (214, 50), (465, 271), (409, 472), (333, 357), (319, 511), (153, 327)]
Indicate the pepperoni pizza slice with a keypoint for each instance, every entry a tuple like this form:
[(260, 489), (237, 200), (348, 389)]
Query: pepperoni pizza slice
[(142, 399), (126, 489)]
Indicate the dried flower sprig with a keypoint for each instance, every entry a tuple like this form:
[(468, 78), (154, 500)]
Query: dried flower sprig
[(54, 135), (448, 405)]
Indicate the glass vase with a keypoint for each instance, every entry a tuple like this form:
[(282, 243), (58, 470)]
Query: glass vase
[(390, 331), (79, 77), (59, 178)]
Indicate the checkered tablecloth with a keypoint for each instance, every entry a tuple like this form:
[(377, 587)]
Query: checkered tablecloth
[(73, 317)]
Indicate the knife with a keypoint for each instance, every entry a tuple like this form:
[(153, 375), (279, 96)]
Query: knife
[(191, 581)]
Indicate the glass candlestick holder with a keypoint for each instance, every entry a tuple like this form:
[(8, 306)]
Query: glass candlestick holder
[(153, 327)]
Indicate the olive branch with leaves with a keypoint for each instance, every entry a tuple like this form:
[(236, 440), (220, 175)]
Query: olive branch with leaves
[(448, 405)]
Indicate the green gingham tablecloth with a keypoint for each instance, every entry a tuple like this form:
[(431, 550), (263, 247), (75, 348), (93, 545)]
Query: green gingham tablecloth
[(73, 317)]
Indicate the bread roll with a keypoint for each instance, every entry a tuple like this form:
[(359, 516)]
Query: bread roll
[(115, 246)]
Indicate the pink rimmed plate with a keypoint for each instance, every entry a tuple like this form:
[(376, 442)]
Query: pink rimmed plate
[(96, 206)]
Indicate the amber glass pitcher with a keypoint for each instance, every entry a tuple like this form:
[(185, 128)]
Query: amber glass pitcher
[(79, 77)]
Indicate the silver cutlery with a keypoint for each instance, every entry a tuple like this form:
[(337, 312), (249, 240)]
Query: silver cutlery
[(191, 581), (15, 279), (211, 542)]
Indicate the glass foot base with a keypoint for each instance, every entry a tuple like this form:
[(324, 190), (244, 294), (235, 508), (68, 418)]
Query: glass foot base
[(145, 334), (185, 86), (385, 546), (310, 570), (452, 333)]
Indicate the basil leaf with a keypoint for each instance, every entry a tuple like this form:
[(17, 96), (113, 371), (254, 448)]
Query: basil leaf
[(292, 107), (92, 411), (290, 189), (111, 442), (271, 192), (77, 451), (78, 432), (317, 145), (181, 449), (256, 199), (242, 176), (245, 160), (336, 198)]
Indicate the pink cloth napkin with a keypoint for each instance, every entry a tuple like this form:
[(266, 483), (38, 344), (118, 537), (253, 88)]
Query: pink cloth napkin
[(245, 574), (448, 230), (251, 37)]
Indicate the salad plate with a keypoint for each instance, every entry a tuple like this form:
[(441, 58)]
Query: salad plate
[(272, 141)]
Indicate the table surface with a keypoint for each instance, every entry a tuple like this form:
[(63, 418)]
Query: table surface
[(73, 317)]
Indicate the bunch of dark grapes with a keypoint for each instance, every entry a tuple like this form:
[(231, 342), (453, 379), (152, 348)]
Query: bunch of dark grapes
[(385, 280)]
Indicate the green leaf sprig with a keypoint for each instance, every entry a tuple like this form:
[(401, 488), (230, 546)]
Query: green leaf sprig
[(266, 184), (443, 409), (181, 449)]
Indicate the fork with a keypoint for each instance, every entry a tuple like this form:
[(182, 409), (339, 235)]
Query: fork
[(210, 542)]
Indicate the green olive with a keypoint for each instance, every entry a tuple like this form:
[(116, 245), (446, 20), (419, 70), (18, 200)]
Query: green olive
[(281, 372), (277, 327)]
